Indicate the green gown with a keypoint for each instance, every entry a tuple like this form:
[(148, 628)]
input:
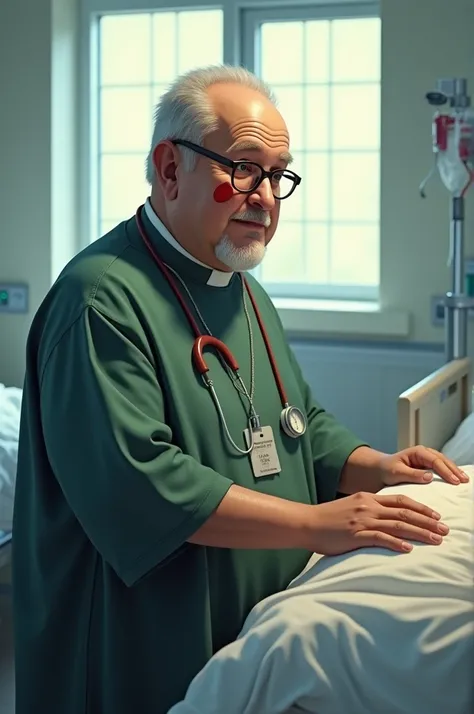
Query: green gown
[(121, 459)]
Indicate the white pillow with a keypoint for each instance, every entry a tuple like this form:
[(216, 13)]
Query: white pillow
[(368, 632), (460, 448)]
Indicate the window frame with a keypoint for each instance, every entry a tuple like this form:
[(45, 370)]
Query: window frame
[(241, 20)]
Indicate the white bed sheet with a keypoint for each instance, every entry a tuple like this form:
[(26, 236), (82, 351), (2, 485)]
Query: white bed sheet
[(10, 407), (369, 632)]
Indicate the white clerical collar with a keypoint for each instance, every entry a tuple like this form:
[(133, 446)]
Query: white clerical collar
[(217, 278)]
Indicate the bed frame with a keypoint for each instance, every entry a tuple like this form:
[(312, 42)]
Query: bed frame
[(430, 412)]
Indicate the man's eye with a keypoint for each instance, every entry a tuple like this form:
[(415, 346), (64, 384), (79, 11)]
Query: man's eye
[(244, 167)]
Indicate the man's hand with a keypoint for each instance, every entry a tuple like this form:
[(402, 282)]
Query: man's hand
[(414, 465), (369, 520)]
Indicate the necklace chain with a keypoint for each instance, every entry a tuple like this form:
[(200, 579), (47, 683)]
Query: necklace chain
[(250, 332)]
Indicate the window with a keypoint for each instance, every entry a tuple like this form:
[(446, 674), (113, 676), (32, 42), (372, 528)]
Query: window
[(325, 72), (323, 62), (139, 55)]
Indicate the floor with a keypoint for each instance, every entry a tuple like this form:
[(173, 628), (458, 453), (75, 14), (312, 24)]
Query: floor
[(7, 690)]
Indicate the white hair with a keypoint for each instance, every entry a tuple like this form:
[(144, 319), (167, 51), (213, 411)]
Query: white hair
[(185, 111)]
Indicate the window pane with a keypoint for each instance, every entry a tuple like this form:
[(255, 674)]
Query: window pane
[(328, 91), (355, 116), (147, 51), (317, 252), (290, 105), (316, 189), (200, 36), (123, 185), (317, 118), (164, 46), (317, 51), (355, 254), (355, 187), (125, 49), (284, 261), (356, 50), (125, 119), (281, 55), (291, 209)]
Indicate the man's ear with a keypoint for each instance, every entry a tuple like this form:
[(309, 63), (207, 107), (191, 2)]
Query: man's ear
[(166, 159)]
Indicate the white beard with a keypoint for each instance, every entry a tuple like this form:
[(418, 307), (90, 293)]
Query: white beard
[(239, 259)]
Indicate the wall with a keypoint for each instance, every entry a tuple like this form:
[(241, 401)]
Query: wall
[(25, 151), (360, 383), (38, 85), (422, 40)]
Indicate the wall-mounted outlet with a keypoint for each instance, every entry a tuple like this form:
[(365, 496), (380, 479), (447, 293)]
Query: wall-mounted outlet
[(13, 298), (437, 310)]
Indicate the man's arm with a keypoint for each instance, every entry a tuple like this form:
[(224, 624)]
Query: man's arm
[(138, 497), (345, 461), (362, 472), (248, 519), (343, 464)]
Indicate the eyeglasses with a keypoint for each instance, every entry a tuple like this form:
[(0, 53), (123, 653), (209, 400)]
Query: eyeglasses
[(247, 175)]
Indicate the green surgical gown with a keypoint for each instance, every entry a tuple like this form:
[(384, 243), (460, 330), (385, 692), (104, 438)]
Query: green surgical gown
[(121, 459)]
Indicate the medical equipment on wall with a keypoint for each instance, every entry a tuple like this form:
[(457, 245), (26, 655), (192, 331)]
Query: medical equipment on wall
[(453, 147), (292, 419)]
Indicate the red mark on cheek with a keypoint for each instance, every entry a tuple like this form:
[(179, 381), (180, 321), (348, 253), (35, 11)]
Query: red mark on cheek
[(223, 193)]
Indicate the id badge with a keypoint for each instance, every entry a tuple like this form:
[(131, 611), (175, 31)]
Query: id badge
[(264, 456)]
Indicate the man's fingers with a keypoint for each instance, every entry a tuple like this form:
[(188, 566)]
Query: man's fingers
[(378, 539), (399, 501), (406, 515), (444, 467), (406, 531)]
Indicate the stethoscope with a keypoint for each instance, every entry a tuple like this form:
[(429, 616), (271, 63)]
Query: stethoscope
[(292, 419)]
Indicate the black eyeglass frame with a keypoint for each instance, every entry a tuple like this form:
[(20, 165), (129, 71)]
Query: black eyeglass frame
[(231, 164)]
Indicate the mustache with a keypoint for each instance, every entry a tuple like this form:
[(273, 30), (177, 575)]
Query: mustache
[(255, 215)]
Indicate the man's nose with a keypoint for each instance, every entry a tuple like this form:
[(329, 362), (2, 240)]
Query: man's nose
[(263, 196)]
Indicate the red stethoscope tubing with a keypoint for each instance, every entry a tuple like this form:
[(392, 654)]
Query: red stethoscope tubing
[(201, 340)]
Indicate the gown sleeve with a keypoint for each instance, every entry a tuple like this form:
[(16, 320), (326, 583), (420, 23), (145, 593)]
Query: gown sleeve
[(137, 496), (331, 442)]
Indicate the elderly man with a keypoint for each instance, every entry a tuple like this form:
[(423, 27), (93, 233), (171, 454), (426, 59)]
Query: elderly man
[(173, 467)]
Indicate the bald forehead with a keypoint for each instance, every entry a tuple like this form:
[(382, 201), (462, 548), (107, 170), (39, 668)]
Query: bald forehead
[(246, 117)]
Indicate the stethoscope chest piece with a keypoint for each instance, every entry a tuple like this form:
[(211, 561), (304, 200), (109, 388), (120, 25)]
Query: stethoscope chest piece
[(293, 422)]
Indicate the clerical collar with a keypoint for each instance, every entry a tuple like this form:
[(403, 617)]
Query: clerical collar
[(215, 278)]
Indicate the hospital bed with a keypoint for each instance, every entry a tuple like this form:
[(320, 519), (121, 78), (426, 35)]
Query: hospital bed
[(369, 631), (438, 412), (366, 632)]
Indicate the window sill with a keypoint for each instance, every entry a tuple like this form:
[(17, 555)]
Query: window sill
[(311, 318)]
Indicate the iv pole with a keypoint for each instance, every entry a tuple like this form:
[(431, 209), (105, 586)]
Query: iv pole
[(457, 304)]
